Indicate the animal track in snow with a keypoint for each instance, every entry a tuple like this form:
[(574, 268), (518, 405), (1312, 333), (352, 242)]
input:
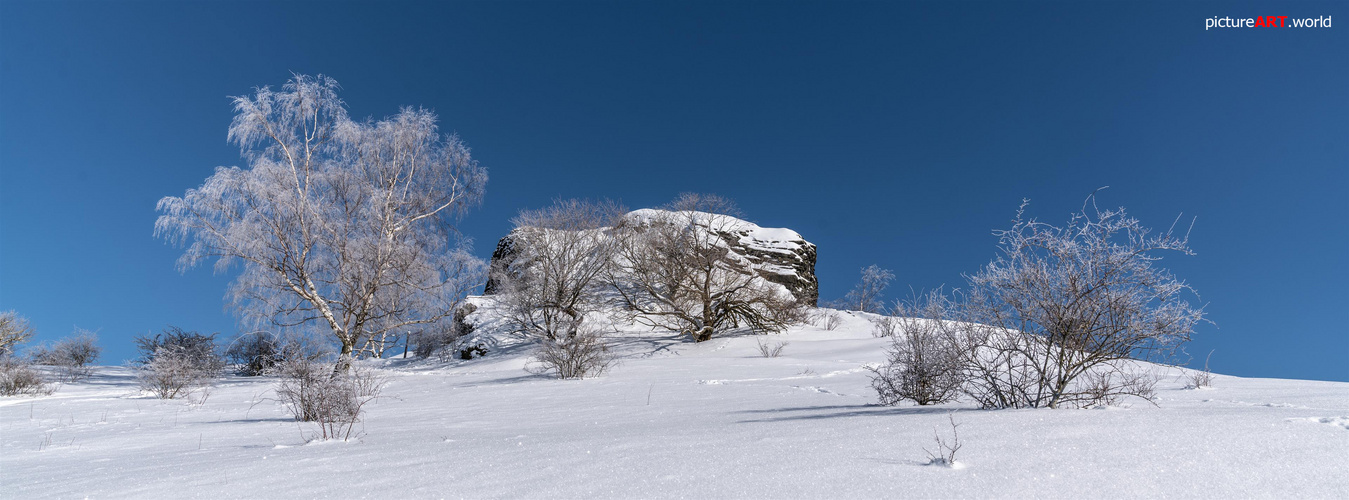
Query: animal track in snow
[(1341, 422)]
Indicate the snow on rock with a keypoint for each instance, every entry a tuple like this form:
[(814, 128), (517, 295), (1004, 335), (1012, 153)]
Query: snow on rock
[(779, 255)]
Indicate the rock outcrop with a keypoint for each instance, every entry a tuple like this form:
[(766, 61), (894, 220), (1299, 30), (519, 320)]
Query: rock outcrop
[(780, 256)]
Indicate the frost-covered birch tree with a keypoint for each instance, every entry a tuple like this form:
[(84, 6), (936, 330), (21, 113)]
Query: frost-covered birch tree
[(340, 224), (869, 294)]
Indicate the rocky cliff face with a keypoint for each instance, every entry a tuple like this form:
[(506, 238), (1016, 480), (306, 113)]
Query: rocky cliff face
[(779, 255)]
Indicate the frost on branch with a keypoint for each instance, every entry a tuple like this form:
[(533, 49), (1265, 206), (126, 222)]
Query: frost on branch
[(1063, 311), (338, 224)]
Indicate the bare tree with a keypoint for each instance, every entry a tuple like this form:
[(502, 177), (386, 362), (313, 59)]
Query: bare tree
[(562, 253), (1059, 316), (339, 223), (675, 271), (14, 330), (869, 294)]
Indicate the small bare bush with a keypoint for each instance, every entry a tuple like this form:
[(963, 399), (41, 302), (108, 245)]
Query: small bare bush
[(1201, 379), (772, 350), (945, 454), (1108, 387), (177, 362), (20, 378), (924, 364), (828, 320), (170, 374), (578, 356), (72, 357), (335, 401), (884, 326)]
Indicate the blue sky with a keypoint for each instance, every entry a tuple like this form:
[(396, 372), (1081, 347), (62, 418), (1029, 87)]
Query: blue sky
[(899, 134)]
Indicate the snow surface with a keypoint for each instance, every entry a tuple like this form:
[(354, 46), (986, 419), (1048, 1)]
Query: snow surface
[(675, 419)]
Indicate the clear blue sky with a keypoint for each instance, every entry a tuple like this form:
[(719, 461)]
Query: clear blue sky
[(898, 134)]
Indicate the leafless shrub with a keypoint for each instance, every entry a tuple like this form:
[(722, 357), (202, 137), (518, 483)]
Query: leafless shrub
[(885, 326), (71, 357), (17, 377), (176, 362), (171, 374), (945, 455), (824, 318), (258, 353), (14, 330), (335, 401), (584, 354), (1201, 379), (772, 350), (1059, 303), (1108, 386), (923, 363)]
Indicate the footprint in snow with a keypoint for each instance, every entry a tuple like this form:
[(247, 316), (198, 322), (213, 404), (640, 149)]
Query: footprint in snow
[(817, 389), (1341, 422)]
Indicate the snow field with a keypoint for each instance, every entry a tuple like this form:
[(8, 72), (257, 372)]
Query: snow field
[(675, 420)]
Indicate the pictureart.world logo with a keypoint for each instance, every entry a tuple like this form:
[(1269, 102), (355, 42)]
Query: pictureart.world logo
[(1267, 22)]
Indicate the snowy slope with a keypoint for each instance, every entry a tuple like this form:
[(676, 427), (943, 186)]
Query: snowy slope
[(675, 419)]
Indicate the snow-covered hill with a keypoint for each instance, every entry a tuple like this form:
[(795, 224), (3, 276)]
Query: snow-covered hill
[(675, 419)]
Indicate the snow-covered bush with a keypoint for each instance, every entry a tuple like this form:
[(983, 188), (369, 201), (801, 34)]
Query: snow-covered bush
[(171, 374), (1059, 316), (923, 363), (335, 401), (177, 362), (71, 357), (586, 353), (18, 377)]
